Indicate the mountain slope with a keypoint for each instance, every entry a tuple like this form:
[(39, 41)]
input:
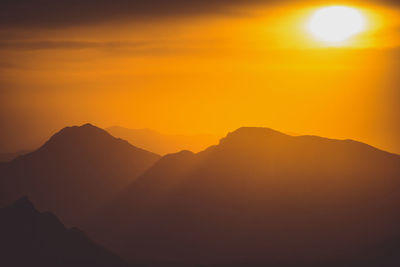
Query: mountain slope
[(5, 157), (74, 173), (163, 143), (259, 196), (31, 238)]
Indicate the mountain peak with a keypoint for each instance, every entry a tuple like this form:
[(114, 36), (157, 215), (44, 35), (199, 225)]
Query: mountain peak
[(80, 166), (255, 130), (85, 128), (23, 204), (88, 125), (84, 133), (245, 134)]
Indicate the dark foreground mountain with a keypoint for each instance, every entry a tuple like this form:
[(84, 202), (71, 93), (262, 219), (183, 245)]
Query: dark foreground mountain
[(31, 238), (262, 197), (74, 173), (163, 143), (5, 157)]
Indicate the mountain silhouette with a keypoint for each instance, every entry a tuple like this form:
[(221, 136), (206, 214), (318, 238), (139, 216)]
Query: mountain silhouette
[(260, 197), (163, 143), (32, 238), (74, 173), (5, 157)]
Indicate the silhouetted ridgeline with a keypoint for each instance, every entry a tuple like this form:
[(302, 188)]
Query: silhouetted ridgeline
[(74, 173), (260, 196), (31, 238), (163, 143), (6, 157)]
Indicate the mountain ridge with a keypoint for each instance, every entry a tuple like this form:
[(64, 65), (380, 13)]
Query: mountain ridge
[(253, 181), (76, 170), (30, 237), (163, 143)]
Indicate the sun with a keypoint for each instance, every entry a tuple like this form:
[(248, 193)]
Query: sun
[(336, 24)]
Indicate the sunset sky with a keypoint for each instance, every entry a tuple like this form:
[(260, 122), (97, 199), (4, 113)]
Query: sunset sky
[(196, 66)]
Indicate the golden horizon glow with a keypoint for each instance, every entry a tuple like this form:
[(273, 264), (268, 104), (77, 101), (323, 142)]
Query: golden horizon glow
[(206, 74), (336, 24)]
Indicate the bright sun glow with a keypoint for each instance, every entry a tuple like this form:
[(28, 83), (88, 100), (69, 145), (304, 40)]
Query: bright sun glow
[(336, 24)]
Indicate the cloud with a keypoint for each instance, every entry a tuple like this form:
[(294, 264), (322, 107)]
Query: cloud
[(59, 13), (50, 13), (46, 45), (150, 47)]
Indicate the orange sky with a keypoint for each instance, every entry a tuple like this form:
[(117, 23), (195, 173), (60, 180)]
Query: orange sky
[(208, 72)]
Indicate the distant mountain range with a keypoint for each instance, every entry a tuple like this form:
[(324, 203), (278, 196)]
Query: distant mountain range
[(163, 143), (74, 173), (260, 196), (31, 238)]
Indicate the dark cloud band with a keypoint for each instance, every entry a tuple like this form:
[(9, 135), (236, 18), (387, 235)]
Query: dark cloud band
[(55, 13), (51, 45), (58, 13)]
